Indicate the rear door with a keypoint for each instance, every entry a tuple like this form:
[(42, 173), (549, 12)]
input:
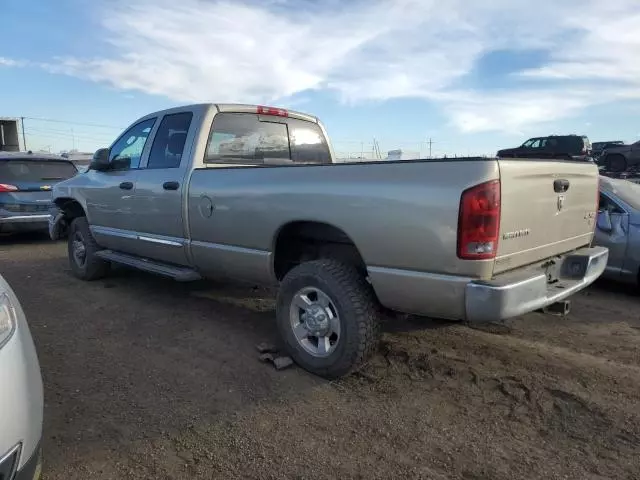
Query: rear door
[(161, 182), (27, 182), (547, 208)]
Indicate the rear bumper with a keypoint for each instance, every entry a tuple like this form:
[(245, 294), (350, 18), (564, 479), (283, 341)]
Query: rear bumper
[(20, 223), (44, 219), (521, 292), (508, 295)]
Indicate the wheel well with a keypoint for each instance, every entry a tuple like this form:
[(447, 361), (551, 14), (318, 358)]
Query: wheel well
[(70, 207), (299, 242)]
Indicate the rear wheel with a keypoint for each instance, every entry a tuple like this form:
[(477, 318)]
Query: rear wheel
[(82, 249), (616, 163), (328, 317)]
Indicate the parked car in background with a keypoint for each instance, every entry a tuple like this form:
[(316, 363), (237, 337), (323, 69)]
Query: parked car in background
[(21, 402), (569, 147), (618, 228), (598, 147), (253, 193), (26, 182), (619, 158)]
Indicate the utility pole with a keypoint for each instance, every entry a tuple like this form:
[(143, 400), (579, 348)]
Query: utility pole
[(430, 142), (24, 138)]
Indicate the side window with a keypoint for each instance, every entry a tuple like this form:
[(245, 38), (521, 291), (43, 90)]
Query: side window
[(535, 143), (606, 204), (308, 144), (127, 151), (168, 144), (241, 138)]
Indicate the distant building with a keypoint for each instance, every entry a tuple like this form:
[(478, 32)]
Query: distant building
[(10, 139), (394, 154)]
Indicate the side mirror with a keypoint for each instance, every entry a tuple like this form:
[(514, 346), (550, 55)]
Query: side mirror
[(604, 221), (100, 161)]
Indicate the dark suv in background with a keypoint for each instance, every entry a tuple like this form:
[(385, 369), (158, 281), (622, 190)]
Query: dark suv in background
[(570, 147), (599, 147), (619, 158)]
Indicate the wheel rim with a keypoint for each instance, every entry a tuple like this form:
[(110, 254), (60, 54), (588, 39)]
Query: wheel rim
[(315, 321), (79, 249)]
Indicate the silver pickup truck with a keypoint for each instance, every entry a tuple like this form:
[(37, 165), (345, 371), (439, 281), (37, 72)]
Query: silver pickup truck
[(252, 193)]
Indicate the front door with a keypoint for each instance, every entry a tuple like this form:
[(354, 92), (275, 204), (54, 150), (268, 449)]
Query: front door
[(160, 185), (110, 194)]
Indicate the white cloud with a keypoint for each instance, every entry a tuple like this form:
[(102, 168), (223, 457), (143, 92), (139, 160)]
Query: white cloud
[(9, 62), (198, 50)]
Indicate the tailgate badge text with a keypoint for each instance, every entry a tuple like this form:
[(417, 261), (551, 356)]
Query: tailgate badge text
[(517, 234)]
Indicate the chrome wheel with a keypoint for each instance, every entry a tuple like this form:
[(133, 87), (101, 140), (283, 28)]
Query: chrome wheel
[(315, 321), (79, 249)]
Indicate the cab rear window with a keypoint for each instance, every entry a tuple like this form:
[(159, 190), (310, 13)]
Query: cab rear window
[(248, 140), (15, 171)]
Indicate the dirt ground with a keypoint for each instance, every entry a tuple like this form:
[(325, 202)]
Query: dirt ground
[(146, 378)]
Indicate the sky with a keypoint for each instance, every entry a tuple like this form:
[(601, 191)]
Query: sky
[(472, 76)]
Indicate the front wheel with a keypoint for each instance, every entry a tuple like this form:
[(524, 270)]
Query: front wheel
[(328, 317), (82, 249)]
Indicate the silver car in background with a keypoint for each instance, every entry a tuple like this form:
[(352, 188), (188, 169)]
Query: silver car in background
[(618, 228), (21, 402)]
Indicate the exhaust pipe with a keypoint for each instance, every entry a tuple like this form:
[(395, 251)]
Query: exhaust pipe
[(560, 309)]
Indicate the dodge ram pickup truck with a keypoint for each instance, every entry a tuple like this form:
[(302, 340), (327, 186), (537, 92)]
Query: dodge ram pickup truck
[(252, 193)]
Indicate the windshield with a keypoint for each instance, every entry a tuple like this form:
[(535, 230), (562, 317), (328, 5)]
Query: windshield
[(16, 171)]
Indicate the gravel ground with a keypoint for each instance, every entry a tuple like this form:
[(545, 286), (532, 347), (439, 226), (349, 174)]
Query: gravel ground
[(146, 378)]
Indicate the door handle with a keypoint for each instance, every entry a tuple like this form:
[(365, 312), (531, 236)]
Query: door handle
[(126, 185), (170, 185), (561, 185)]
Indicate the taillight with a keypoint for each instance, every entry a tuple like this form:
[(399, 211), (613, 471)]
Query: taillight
[(8, 188), (278, 112), (479, 221)]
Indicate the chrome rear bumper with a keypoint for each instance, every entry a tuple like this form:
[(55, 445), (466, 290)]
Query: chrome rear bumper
[(520, 292)]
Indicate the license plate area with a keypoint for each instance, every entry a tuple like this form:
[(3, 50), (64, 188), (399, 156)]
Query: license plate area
[(575, 267)]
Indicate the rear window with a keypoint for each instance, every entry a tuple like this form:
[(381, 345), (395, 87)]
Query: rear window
[(628, 192), (308, 144), (35, 170), (246, 139)]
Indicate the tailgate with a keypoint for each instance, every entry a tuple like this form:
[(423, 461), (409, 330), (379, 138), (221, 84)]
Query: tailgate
[(548, 207)]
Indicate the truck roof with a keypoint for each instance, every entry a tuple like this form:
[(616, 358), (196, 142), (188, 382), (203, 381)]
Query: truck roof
[(239, 108)]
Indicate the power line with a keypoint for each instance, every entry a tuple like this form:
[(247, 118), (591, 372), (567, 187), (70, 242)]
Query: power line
[(67, 138), (69, 133), (74, 123)]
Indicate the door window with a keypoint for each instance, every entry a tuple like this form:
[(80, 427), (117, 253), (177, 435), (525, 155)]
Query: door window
[(127, 150), (169, 142)]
